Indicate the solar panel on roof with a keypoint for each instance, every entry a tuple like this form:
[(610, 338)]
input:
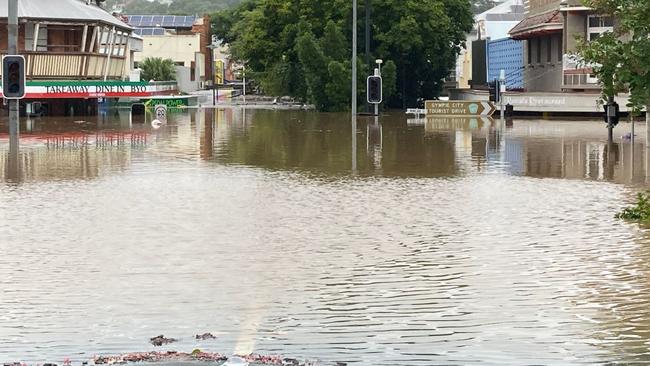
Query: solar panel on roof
[(157, 20), (158, 32), (135, 18)]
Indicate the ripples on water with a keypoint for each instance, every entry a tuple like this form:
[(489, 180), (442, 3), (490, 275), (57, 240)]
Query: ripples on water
[(448, 245)]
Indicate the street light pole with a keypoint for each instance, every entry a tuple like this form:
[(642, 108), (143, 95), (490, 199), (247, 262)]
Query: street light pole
[(354, 85)]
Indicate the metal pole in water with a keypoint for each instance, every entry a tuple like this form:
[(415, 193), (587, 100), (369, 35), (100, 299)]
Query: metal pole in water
[(354, 86), (354, 58)]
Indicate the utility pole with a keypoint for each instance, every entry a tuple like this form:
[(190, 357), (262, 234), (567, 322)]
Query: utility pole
[(14, 126), (367, 39), (354, 86)]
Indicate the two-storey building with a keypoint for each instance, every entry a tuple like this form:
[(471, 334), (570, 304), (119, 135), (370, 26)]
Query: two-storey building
[(75, 53), (552, 30)]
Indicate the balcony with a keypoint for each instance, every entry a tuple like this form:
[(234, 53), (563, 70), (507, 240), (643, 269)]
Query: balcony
[(68, 65), (577, 74)]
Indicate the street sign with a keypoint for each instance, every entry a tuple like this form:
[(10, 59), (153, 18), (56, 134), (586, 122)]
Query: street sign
[(161, 112), (459, 108)]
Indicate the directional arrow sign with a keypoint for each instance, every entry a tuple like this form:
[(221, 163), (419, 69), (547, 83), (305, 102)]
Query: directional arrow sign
[(459, 108)]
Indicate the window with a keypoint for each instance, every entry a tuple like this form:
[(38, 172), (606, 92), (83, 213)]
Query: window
[(549, 49), (41, 44), (560, 51), (597, 25), (530, 51), (539, 50), (597, 21)]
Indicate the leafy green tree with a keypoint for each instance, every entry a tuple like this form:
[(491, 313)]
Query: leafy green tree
[(337, 88), (155, 68), (314, 64), (620, 59), (389, 76), (333, 41), (421, 37)]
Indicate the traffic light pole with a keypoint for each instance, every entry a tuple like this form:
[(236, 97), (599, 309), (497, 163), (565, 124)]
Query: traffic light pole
[(14, 126)]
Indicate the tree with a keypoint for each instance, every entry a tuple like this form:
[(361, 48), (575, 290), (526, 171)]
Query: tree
[(421, 37), (620, 59), (155, 68)]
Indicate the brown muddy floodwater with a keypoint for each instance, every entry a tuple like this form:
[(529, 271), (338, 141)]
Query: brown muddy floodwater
[(452, 241)]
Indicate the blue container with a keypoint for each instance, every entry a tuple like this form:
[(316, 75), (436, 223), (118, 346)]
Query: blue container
[(506, 54)]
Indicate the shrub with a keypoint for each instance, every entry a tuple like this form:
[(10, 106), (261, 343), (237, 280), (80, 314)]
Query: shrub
[(639, 212)]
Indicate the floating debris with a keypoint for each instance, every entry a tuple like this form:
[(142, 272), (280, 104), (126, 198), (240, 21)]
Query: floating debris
[(196, 355), (161, 340), (205, 336)]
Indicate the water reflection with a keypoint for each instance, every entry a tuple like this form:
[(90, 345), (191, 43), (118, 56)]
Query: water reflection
[(444, 243), (316, 144)]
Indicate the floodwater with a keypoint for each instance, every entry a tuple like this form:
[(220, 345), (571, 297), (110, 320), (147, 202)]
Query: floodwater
[(447, 241)]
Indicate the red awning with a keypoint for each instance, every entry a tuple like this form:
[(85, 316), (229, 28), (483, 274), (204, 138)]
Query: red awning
[(538, 25)]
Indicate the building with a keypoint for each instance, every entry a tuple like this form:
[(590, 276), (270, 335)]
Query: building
[(492, 24), (550, 31), (75, 53), (183, 39)]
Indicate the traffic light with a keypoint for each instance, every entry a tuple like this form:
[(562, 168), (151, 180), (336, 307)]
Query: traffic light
[(495, 90), (13, 77), (375, 94)]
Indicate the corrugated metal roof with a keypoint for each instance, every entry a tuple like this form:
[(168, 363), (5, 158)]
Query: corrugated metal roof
[(70, 10)]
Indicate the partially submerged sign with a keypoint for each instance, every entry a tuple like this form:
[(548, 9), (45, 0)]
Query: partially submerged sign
[(459, 108)]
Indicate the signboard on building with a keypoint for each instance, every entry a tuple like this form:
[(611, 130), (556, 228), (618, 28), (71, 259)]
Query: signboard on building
[(219, 71), (459, 108), (95, 89)]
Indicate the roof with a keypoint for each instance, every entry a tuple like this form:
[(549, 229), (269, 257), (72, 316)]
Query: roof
[(496, 22), (161, 21), (534, 26), (62, 10), (508, 10)]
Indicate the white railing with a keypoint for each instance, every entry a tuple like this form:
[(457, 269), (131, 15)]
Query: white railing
[(53, 65)]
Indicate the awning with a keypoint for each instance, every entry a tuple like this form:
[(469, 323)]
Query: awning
[(538, 25)]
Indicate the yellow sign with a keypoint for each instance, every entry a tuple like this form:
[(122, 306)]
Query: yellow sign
[(219, 71)]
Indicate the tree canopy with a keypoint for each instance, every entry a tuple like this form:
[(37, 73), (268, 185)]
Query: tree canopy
[(620, 59), (302, 48), (155, 68)]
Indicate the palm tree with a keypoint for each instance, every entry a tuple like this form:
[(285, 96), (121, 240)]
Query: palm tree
[(155, 68)]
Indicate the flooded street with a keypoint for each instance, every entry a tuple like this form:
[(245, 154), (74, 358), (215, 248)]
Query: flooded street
[(447, 241)]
